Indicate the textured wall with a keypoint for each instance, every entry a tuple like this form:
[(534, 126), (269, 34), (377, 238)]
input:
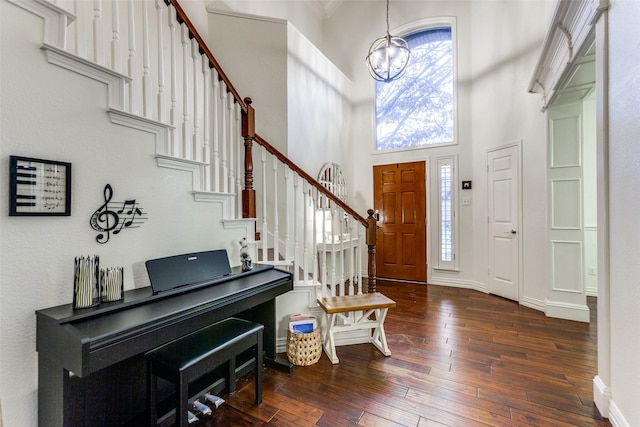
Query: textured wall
[(52, 113)]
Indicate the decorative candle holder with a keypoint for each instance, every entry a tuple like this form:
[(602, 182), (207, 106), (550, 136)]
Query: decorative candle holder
[(86, 287), (111, 284), (245, 257)]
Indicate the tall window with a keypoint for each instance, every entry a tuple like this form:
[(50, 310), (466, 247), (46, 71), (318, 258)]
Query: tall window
[(418, 108), (446, 212)]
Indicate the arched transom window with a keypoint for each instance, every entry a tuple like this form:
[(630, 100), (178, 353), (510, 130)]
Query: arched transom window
[(418, 109)]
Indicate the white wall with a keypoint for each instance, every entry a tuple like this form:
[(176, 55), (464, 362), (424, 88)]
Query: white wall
[(51, 113), (624, 164), (497, 44)]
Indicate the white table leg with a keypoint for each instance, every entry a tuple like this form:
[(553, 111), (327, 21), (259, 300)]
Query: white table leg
[(379, 338), (329, 342)]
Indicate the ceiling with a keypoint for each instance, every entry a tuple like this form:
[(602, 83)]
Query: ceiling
[(324, 8)]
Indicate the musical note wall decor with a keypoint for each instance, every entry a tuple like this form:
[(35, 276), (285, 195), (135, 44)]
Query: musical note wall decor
[(113, 217)]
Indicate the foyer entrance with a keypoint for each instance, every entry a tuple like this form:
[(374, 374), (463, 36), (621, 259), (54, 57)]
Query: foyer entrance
[(400, 199)]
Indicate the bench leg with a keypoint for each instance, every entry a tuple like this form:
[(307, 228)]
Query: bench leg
[(329, 342), (258, 378), (379, 338)]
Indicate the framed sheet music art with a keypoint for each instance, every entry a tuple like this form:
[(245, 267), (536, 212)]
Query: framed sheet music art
[(39, 187)]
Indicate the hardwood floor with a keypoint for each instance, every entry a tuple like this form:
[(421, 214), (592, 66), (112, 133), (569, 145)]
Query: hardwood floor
[(459, 358)]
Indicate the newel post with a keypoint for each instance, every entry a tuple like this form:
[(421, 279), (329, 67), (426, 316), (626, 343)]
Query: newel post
[(249, 134), (372, 229)]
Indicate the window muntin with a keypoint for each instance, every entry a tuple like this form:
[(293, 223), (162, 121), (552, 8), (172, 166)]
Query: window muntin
[(446, 179), (417, 109)]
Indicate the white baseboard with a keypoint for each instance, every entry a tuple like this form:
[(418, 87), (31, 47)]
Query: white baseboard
[(615, 416), (568, 311), (458, 283), (601, 396), (533, 303)]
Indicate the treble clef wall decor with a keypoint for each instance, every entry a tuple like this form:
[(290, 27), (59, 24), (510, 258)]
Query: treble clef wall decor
[(113, 217)]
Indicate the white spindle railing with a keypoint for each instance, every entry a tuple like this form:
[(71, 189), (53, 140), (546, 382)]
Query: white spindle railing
[(299, 227), (161, 102), (215, 109)]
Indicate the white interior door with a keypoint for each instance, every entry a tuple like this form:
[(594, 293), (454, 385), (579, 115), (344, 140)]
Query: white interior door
[(567, 296), (503, 170)]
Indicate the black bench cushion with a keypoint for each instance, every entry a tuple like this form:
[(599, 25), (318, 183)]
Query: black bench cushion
[(197, 346)]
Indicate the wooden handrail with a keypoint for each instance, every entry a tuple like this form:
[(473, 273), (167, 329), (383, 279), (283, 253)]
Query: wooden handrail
[(249, 132), (249, 135), (284, 159), (183, 18)]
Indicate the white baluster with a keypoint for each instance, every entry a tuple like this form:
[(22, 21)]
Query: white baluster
[(334, 278), (232, 143), (215, 99), (341, 252), (206, 122), (224, 139), (287, 213), (305, 233), (274, 200), (323, 277), (161, 95), (146, 63), (185, 92), (173, 120), (296, 231), (264, 235), (314, 238), (98, 42), (116, 55), (361, 243), (132, 66), (239, 150), (195, 141), (80, 29)]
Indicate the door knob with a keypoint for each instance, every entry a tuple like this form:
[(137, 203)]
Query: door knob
[(510, 232)]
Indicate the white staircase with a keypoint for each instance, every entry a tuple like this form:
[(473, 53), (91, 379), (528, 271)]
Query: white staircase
[(161, 79)]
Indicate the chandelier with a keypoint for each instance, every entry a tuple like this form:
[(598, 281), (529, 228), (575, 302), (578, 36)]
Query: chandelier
[(388, 56)]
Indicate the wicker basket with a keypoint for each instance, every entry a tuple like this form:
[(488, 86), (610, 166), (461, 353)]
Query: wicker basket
[(304, 349)]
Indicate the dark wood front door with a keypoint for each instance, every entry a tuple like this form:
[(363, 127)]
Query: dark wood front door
[(400, 198)]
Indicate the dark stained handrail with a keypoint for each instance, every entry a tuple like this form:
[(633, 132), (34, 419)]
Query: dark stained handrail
[(321, 188), (249, 135), (183, 18)]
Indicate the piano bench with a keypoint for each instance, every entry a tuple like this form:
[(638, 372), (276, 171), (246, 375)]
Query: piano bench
[(355, 312), (190, 357)]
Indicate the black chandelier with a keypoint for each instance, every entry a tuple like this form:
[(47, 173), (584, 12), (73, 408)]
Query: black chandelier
[(388, 56)]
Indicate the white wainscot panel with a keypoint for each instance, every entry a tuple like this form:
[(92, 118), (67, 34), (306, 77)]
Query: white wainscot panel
[(567, 204), (566, 270), (565, 142)]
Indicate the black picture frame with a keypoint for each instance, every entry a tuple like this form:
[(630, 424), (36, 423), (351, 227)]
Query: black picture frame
[(39, 187), (466, 185)]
